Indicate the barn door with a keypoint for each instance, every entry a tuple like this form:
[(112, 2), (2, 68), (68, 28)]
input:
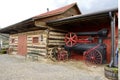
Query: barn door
[(22, 44)]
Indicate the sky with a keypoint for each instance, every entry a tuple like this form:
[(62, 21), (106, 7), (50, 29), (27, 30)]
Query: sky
[(13, 11)]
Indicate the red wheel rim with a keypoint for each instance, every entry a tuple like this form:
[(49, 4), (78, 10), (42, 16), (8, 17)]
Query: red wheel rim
[(93, 57), (70, 39)]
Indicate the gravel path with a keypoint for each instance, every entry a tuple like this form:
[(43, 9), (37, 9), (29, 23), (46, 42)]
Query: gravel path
[(14, 67)]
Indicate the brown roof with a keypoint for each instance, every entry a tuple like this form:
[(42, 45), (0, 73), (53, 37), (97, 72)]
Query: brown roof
[(57, 11)]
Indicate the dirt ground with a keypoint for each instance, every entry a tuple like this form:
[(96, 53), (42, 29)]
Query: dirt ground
[(14, 67)]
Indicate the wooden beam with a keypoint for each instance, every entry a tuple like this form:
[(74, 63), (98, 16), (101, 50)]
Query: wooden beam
[(40, 24)]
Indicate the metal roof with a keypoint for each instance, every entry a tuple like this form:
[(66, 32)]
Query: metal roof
[(96, 16)]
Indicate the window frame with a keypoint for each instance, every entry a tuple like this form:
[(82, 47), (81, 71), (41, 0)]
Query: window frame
[(35, 40)]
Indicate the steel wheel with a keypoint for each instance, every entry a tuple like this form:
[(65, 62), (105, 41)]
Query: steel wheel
[(93, 57), (70, 39)]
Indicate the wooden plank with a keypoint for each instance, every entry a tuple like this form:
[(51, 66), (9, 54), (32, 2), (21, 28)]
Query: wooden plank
[(51, 41), (13, 44), (39, 35), (36, 45), (56, 43), (57, 37), (41, 53), (14, 35), (56, 33), (36, 32), (37, 49), (40, 24), (44, 54)]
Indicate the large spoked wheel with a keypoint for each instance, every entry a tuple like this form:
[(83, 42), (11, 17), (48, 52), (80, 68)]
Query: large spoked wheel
[(93, 57), (70, 39)]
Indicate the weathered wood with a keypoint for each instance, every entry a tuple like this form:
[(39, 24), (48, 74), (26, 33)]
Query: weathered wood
[(13, 44), (56, 44), (36, 49), (40, 24), (57, 37), (41, 53), (56, 41), (56, 33), (36, 45)]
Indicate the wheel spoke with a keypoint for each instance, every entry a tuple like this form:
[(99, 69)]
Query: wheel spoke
[(73, 41), (74, 36), (67, 41), (70, 43), (67, 38), (70, 35)]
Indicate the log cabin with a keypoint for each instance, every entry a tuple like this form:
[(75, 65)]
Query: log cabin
[(47, 30), (34, 34)]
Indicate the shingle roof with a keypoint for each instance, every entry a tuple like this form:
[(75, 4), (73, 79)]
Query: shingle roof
[(57, 11)]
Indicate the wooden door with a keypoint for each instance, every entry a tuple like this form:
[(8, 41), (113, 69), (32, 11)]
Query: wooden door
[(22, 45)]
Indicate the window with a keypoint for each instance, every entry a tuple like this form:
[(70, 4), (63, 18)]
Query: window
[(35, 40)]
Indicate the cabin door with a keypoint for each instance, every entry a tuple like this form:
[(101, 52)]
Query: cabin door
[(22, 45)]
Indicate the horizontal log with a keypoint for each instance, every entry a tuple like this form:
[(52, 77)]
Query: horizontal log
[(39, 53), (34, 49), (13, 44), (56, 33), (14, 35), (39, 36), (57, 37), (40, 23), (56, 41), (37, 49), (35, 32), (59, 44), (36, 45), (44, 54)]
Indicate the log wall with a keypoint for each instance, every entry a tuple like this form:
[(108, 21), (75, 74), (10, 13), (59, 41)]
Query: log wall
[(39, 47), (13, 45), (55, 38)]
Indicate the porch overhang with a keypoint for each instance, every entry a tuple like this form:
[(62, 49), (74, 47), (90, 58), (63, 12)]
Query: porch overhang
[(109, 16), (24, 26)]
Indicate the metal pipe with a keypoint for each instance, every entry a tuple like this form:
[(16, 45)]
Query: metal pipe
[(112, 16), (100, 33)]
